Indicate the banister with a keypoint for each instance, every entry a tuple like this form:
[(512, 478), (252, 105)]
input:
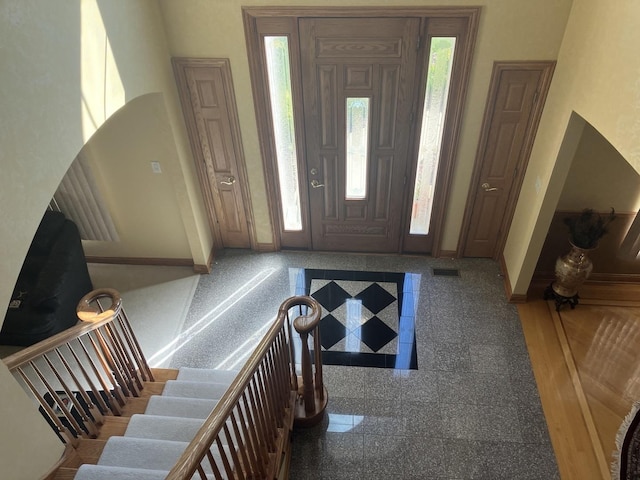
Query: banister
[(95, 320), (62, 383), (189, 463)]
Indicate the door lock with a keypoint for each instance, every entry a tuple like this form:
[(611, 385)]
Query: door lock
[(316, 184), (314, 171), (488, 188)]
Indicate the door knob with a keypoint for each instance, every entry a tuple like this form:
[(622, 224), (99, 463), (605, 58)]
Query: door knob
[(316, 184), (229, 181), (488, 188)]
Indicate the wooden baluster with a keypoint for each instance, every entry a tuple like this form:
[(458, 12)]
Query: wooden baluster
[(307, 377), (88, 425), (62, 430), (228, 467), (102, 406), (56, 398), (116, 389), (143, 367), (242, 444), (317, 350), (113, 392), (120, 357), (250, 431), (113, 363)]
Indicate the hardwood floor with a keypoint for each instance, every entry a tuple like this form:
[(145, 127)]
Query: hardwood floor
[(587, 365)]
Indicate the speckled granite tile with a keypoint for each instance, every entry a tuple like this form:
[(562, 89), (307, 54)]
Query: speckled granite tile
[(471, 410)]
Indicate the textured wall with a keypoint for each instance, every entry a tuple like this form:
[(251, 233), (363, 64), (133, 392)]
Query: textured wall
[(596, 80)]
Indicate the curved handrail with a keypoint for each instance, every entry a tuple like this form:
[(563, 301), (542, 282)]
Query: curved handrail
[(94, 320), (191, 459), (96, 365)]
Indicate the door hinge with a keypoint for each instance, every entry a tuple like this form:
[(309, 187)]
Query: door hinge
[(535, 97), (419, 43), (404, 180)]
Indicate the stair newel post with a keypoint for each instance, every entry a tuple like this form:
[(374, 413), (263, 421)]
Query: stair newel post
[(317, 350), (312, 396), (307, 376)]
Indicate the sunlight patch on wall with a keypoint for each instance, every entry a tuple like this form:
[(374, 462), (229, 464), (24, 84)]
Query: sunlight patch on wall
[(102, 89)]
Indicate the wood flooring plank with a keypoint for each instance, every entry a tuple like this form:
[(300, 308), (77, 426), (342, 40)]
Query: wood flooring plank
[(569, 434)]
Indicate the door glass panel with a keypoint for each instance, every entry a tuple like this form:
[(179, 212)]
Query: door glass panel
[(279, 75), (431, 131), (357, 147)]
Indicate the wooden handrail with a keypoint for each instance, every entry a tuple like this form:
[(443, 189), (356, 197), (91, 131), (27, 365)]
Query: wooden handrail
[(95, 320), (62, 371), (194, 456)]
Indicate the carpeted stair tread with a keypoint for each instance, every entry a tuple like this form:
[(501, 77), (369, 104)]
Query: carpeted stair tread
[(180, 406), (207, 375), (163, 428), (104, 472), (190, 389), (142, 453)]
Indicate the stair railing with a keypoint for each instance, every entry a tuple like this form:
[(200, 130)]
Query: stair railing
[(247, 435), (312, 398), (86, 371)]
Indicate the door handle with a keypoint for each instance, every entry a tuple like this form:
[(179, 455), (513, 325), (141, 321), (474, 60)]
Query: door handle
[(316, 184), (229, 181), (488, 188)]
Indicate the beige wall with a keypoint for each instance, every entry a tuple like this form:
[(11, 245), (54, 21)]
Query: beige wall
[(509, 30), (68, 66), (596, 80), (599, 178), (143, 204)]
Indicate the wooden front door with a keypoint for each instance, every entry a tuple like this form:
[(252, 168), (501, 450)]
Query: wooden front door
[(358, 91), (208, 103), (514, 105)]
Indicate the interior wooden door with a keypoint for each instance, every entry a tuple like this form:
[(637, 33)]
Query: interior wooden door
[(208, 102), (364, 68), (514, 105)]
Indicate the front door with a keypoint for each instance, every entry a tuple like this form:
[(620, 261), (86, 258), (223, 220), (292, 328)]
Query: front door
[(358, 92)]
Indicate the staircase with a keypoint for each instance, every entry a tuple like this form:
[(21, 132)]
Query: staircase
[(122, 420), (147, 445)]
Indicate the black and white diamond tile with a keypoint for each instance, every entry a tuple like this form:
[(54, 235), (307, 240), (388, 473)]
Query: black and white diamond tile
[(368, 318)]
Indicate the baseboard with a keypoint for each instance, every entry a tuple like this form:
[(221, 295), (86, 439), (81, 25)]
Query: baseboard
[(166, 262), (206, 269), (596, 277), (511, 297), (448, 254)]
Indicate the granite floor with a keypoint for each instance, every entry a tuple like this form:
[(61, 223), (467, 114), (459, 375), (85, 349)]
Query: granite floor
[(462, 404)]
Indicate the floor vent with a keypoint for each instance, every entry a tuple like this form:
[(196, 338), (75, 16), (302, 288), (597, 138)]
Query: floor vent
[(446, 272)]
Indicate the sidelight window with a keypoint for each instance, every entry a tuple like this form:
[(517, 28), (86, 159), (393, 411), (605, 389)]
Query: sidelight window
[(431, 132), (280, 96)]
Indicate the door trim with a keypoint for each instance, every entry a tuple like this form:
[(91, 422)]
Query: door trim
[(546, 68), (254, 20)]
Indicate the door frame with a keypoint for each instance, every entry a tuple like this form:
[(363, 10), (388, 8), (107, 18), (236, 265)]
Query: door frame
[(287, 18), (547, 69)]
